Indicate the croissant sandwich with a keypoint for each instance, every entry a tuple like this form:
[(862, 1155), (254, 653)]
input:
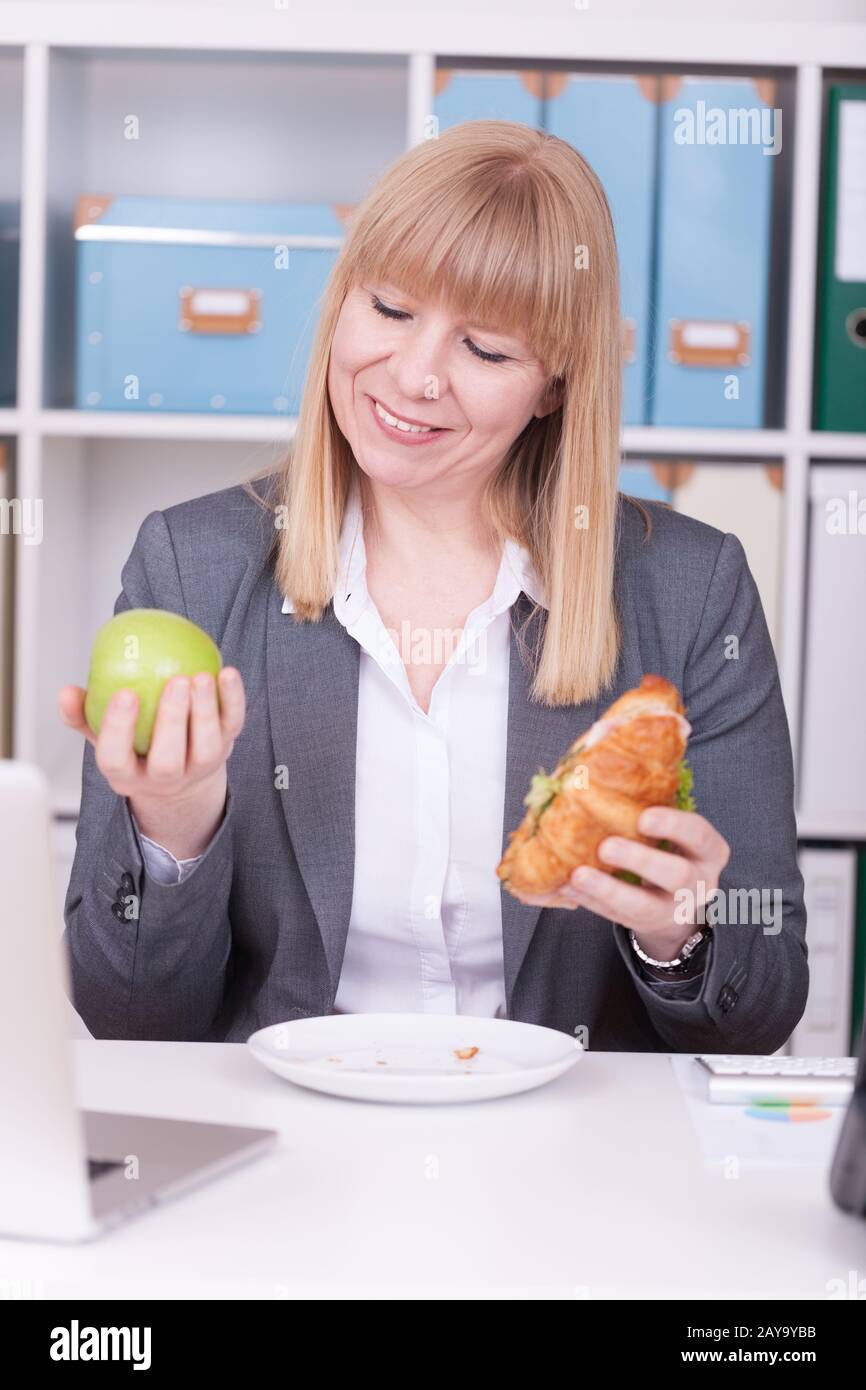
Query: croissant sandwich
[(631, 758)]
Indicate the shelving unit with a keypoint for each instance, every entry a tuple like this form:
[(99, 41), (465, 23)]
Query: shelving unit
[(277, 102)]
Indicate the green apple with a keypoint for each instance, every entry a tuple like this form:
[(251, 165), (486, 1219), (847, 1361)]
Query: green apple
[(140, 650)]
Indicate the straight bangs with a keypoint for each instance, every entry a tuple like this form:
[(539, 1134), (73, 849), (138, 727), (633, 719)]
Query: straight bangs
[(510, 228), (476, 242)]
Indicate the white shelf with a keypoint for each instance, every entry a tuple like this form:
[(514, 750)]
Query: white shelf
[(110, 424), (636, 440), (505, 28), (828, 445), (733, 444)]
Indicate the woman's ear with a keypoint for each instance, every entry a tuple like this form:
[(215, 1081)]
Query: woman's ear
[(552, 397)]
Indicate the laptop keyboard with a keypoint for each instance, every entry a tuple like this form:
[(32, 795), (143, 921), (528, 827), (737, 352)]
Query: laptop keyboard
[(98, 1167)]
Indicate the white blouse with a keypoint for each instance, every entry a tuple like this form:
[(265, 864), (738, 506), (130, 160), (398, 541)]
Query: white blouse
[(425, 932)]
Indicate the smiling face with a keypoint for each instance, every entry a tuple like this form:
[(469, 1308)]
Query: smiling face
[(425, 398)]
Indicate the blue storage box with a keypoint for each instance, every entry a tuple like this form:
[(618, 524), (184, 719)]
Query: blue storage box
[(199, 304)]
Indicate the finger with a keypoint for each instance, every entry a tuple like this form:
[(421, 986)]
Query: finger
[(232, 701), (655, 866), (70, 702), (206, 739), (620, 901), (166, 757), (687, 828), (562, 897), (115, 752), (567, 898)]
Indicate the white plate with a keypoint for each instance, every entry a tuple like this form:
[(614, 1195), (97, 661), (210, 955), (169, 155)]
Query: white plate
[(414, 1057)]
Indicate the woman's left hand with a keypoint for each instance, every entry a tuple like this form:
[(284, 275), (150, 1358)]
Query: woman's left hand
[(651, 910)]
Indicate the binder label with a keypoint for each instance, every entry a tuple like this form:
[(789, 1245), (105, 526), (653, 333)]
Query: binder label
[(851, 203)]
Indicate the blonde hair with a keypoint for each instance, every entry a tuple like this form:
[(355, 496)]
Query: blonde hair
[(499, 220)]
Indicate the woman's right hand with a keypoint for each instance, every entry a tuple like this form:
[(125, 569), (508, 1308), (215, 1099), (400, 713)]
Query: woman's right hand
[(177, 791)]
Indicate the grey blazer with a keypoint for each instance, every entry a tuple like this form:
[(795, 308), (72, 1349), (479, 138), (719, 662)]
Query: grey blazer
[(255, 934)]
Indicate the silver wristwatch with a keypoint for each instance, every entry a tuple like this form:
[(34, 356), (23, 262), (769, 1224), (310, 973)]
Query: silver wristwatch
[(686, 951)]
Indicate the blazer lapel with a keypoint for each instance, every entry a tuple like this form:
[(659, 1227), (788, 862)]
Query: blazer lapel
[(313, 709), (538, 735)]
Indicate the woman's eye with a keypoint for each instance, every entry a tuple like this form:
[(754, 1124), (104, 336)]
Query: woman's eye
[(387, 312), (485, 356)]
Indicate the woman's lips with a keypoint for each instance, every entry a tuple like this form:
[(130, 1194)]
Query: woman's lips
[(403, 436)]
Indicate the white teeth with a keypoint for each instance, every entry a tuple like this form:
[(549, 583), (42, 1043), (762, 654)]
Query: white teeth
[(401, 424)]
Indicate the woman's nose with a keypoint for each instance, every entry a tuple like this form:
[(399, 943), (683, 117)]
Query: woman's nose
[(419, 369)]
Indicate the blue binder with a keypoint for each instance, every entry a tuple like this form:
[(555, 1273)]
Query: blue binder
[(198, 304), (710, 341), (489, 95), (611, 121)]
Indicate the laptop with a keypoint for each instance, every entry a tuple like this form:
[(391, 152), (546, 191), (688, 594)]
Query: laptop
[(67, 1174), (848, 1170)]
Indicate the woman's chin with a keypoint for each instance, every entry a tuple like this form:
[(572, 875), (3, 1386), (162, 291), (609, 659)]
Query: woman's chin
[(382, 467)]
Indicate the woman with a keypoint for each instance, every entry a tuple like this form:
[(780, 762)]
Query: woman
[(434, 596)]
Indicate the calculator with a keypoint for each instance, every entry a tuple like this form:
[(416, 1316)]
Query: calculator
[(791, 1080)]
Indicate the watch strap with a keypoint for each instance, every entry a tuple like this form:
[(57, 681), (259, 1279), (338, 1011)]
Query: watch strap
[(688, 963)]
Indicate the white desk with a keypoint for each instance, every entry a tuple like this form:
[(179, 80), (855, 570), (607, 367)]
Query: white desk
[(592, 1187)]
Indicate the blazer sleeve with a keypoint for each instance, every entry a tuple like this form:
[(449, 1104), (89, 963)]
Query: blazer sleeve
[(754, 987), (147, 959)]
